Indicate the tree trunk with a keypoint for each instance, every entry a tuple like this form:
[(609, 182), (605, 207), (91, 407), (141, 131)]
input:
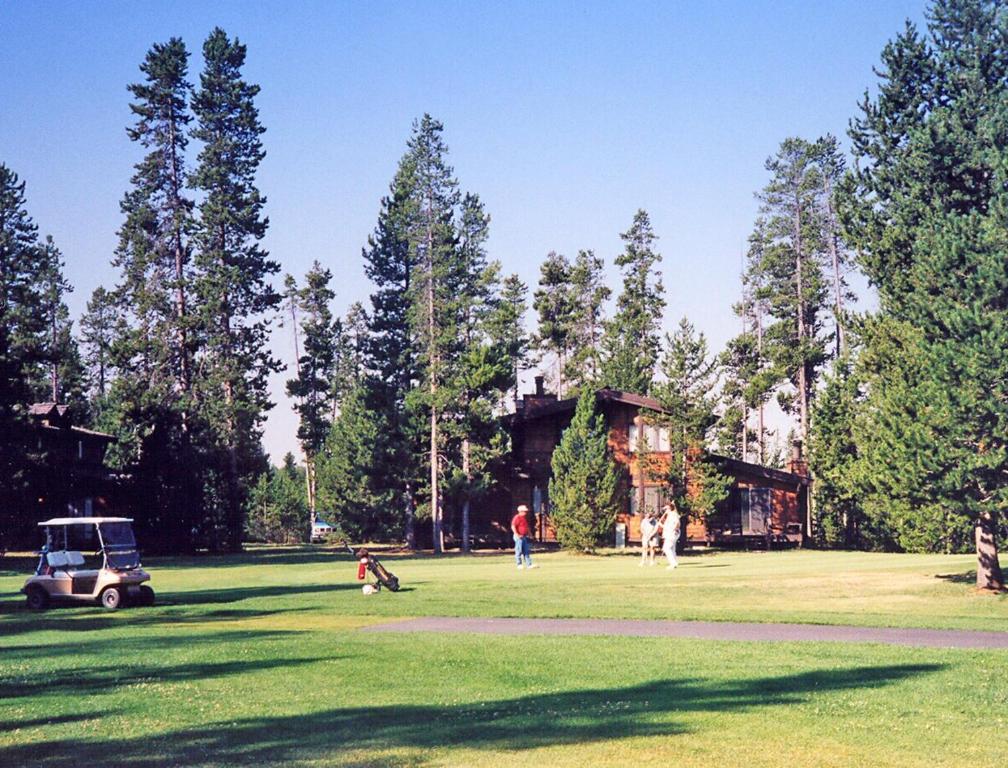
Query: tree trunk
[(433, 378), (409, 527), (759, 358), (466, 471), (988, 574), (802, 368), (841, 340)]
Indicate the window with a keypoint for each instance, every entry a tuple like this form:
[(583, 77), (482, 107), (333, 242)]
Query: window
[(755, 510), (663, 440), (652, 499), (80, 449), (632, 437), (634, 501)]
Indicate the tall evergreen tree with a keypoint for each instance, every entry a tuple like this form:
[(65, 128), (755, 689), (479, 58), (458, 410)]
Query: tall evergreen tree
[(632, 340), (831, 168), (506, 327), (234, 296), (582, 490), (22, 336), (158, 212), (925, 211), (790, 272), (482, 369), (555, 304), (434, 311), (750, 377), (151, 402), (98, 329), (312, 387), (584, 366), (390, 352), (62, 376)]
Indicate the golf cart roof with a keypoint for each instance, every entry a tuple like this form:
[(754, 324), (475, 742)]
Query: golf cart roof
[(84, 520)]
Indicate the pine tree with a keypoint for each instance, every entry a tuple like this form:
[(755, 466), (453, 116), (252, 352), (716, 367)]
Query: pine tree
[(482, 369), (689, 376), (632, 340), (360, 507), (506, 328), (22, 338), (433, 314), (924, 210), (582, 490), (98, 329), (831, 168), (150, 405), (235, 300), (62, 379), (750, 377), (790, 272), (555, 305), (312, 388), (159, 215), (276, 507), (584, 366), (835, 462), (390, 353)]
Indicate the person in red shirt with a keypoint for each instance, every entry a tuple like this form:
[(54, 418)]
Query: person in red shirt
[(523, 544)]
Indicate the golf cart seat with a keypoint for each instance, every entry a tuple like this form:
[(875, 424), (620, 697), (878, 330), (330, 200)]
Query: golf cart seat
[(65, 560)]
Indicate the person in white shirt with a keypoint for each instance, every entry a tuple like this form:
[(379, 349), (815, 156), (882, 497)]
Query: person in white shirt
[(670, 524)]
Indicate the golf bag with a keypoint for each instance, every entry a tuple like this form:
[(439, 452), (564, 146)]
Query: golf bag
[(385, 577)]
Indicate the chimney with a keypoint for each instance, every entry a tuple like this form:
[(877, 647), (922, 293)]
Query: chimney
[(539, 386), (797, 465)]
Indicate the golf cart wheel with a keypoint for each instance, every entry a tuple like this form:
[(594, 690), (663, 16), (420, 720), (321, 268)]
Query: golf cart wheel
[(146, 595), (38, 598), (111, 598)]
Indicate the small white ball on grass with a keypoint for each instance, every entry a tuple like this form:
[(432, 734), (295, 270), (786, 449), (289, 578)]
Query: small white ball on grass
[(368, 589)]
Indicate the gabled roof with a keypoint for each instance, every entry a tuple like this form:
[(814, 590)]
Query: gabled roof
[(536, 407), (46, 409)]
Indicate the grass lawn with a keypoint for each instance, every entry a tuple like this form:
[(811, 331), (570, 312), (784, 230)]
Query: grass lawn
[(257, 660)]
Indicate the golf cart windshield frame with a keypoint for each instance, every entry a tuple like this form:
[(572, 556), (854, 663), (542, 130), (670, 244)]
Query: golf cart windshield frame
[(115, 539)]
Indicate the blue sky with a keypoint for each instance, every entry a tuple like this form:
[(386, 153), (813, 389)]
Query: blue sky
[(564, 117)]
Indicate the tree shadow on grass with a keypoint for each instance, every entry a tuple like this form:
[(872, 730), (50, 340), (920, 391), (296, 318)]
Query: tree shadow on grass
[(91, 680), (142, 643), (74, 620), (969, 577), (513, 724), (237, 594), (69, 618)]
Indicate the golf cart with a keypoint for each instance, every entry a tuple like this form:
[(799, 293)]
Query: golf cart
[(112, 578)]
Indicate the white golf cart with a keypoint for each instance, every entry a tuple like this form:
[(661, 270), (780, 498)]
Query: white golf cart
[(112, 578)]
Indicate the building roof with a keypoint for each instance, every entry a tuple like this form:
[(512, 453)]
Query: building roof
[(535, 407), (50, 411), (46, 409), (744, 467)]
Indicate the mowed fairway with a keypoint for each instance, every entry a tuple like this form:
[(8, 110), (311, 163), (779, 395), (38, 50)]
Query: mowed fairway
[(259, 660)]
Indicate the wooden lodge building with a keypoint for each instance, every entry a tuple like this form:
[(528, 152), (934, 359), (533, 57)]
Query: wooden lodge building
[(72, 479), (764, 506)]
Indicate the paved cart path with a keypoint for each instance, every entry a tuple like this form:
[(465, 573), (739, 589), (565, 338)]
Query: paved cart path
[(707, 630)]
